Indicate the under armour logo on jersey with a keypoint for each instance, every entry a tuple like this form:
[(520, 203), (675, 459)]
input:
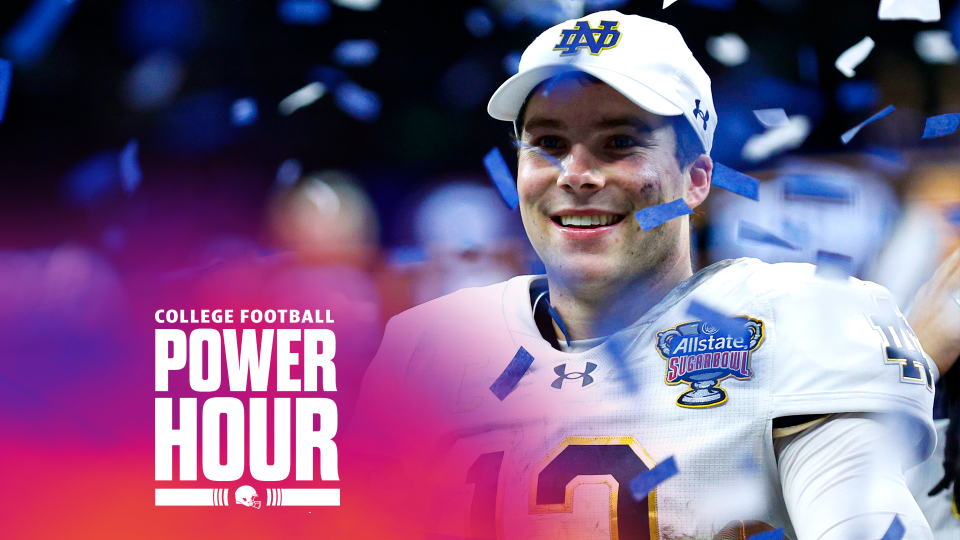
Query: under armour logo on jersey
[(584, 375), (595, 39), (901, 344), (704, 114)]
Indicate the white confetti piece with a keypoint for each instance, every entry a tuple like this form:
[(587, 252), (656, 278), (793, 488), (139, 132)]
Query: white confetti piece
[(301, 98), (771, 118), (854, 56), (935, 47), (729, 49), (920, 10), (775, 140)]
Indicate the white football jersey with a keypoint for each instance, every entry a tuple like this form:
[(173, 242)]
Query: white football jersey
[(520, 440)]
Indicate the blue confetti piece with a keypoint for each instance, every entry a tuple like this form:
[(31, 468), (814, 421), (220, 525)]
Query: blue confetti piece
[(511, 62), (407, 255), (776, 534), (303, 12), (733, 326), (735, 181), (358, 102), (356, 52), (645, 482), (852, 132), (654, 216), (478, 22), (834, 265), (510, 377), (243, 112), (502, 177), (719, 5), (749, 231), (944, 124), (895, 531), (6, 77), (36, 31), (811, 187), (857, 96), (952, 214), (92, 180), (553, 161), (130, 174), (618, 351)]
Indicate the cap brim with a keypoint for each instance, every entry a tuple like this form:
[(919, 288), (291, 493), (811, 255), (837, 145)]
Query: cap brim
[(507, 100)]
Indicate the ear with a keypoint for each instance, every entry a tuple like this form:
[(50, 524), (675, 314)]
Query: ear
[(701, 174)]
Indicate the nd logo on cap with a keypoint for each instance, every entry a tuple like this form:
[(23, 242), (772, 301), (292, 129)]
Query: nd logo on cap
[(583, 35)]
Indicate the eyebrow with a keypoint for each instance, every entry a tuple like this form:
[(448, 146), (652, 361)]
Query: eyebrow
[(621, 121), (603, 123), (541, 122)]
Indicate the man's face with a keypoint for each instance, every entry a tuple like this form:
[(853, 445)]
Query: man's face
[(614, 159)]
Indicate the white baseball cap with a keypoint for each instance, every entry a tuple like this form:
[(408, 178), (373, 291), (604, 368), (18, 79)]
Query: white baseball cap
[(645, 60)]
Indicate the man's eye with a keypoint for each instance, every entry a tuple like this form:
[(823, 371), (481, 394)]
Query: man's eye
[(622, 141), (549, 142)]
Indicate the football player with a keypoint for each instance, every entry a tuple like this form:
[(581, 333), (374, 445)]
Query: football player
[(547, 406)]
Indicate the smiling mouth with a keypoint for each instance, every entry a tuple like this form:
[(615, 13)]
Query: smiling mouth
[(588, 222)]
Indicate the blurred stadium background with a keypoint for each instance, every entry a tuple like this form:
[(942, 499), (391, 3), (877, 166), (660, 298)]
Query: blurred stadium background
[(188, 91), (328, 154)]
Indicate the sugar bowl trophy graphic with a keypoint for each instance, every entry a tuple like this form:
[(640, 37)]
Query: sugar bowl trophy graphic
[(701, 355)]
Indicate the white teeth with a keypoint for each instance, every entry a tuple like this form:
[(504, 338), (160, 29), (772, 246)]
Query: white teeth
[(588, 221)]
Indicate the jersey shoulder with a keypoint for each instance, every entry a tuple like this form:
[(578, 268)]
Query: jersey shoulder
[(836, 345)]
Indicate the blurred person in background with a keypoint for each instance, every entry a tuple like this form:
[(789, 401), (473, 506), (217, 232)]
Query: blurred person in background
[(321, 236), (469, 239), (809, 206), (935, 317), (926, 234)]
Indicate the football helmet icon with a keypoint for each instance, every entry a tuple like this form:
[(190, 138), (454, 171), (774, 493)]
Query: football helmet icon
[(247, 496)]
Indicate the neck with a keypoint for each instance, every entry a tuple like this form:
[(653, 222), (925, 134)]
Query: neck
[(590, 312)]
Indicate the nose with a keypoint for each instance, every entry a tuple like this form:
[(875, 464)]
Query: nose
[(580, 175)]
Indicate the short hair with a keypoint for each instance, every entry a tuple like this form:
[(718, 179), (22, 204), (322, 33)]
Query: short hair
[(688, 148)]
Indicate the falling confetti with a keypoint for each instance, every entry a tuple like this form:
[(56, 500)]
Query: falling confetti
[(733, 326), (772, 118), (511, 376), (6, 76), (303, 12), (729, 49), (895, 531), (358, 102), (130, 174), (645, 482), (36, 31), (919, 10), (834, 265), (243, 112), (356, 52), (502, 178), (735, 181), (301, 98), (854, 56), (755, 233), (776, 140), (852, 132), (944, 124), (657, 215)]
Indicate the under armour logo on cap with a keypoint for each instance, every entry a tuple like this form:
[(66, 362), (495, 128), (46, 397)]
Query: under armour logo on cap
[(697, 113), (561, 370)]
